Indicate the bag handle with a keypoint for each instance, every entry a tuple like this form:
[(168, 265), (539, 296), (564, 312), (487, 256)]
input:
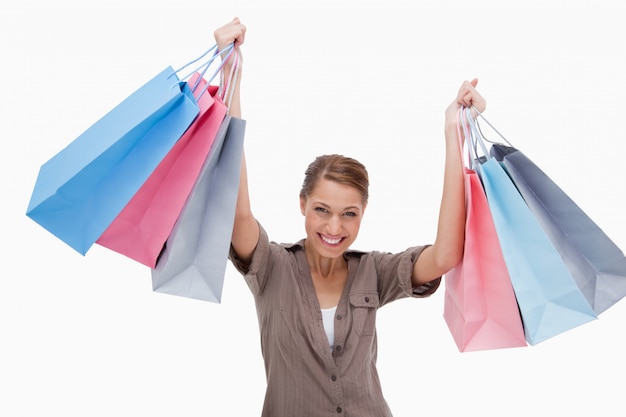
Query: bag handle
[(491, 126), (462, 132), (475, 136), (224, 90), (466, 121), (228, 51), (212, 48), (204, 67), (227, 89)]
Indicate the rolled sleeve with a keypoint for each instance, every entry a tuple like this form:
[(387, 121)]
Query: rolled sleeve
[(405, 272), (256, 271), (428, 289)]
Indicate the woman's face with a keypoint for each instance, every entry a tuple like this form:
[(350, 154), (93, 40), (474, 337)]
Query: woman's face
[(332, 214)]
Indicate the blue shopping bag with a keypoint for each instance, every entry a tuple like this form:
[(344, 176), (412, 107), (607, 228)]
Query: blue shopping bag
[(549, 300), (81, 189)]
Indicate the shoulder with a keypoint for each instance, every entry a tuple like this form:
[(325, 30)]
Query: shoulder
[(378, 255), (387, 262)]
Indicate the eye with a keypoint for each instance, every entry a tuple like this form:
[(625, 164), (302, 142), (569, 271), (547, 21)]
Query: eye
[(321, 209), (350, 214)]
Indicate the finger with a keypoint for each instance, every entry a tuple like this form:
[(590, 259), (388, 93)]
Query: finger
[(242, 35), (467, 100), (465, 95), (465, 88), (239, 32)]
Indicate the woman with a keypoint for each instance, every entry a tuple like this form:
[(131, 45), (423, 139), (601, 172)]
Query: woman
[(316, 299)]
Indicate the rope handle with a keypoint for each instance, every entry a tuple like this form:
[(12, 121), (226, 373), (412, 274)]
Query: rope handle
[(204, 67)]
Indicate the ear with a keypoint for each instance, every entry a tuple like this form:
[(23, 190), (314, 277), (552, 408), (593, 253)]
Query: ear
[(302, 204)]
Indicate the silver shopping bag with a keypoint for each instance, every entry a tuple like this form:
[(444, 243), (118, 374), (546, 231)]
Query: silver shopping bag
[(193, 261), (596, 263)]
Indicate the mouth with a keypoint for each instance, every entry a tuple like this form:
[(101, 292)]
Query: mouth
[(331, 241)]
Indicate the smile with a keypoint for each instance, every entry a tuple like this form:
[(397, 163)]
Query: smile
[(331, 241)]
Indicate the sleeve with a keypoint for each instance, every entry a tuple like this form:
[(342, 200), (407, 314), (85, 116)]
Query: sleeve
[(258, 269), (395, 271)]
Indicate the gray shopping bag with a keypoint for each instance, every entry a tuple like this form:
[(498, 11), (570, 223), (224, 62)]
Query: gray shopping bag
[(596, 263), (193, 261)]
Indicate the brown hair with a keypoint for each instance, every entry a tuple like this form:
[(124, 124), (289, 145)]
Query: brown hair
[(338, 168)]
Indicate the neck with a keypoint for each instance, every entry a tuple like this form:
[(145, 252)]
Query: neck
[(323, 266)]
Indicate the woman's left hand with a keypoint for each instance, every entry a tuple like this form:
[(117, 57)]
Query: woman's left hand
[(467, 96)]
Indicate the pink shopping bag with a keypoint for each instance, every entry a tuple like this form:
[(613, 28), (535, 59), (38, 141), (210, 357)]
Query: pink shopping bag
[(141, 229), (480, 307)]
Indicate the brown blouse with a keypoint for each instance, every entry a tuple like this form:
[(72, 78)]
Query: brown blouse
[(304, 377)]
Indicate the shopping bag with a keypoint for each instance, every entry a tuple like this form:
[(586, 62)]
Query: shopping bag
[(140, 230), (194, 258), (81, 189), (547, 295), (596, 263), (480, 308)]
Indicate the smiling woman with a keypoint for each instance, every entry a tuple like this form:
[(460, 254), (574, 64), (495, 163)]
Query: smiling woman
[(297, 287)]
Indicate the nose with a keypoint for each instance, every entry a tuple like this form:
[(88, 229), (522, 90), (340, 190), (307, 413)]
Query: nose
[(334, 225)]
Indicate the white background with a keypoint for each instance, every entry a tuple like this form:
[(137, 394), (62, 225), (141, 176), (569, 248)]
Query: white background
[(86, 336)]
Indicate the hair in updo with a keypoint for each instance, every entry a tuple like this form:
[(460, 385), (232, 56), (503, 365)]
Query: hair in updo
[(337, 168)]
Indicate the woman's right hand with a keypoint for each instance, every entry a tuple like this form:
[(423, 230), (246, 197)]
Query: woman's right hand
[(232, 32)]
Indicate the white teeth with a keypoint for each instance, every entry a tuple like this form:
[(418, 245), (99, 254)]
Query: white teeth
[(331, 241)]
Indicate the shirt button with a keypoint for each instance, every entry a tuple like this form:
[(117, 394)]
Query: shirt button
[(339, 410), (339, 317), (338, 348), (367, 299), (334, 377)]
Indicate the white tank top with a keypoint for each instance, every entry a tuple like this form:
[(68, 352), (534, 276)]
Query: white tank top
[(328, 319)]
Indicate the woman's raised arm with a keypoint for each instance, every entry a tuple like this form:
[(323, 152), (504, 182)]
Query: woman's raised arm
[(447, 250), (245, 229)]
